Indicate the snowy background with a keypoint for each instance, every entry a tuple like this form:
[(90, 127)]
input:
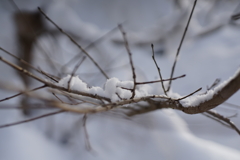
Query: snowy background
[(210, 50)]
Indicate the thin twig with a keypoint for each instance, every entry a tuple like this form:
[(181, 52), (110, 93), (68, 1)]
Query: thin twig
[(74, 71), (232, 116), (28, 64), (66, 102), (61, 30), (231, 105), (91, 45), (216, 82), (180, 45), (119, 96), (159, 72), (31, 119), (87, 142), (141, 83), (224, 119), (57, 97), (216, 119), (130, 58), (199, 89), (23, 93), (126, 88)]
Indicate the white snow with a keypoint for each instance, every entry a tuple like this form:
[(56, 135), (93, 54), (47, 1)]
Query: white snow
[(112, 87)]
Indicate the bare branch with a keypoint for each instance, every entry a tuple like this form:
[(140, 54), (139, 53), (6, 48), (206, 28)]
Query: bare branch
[(141, 83), (85, 52), (130, 59), (216, 119), (180, 45), (224, 119), (159, 72), (23, 93), (91, 45), (199, 89), (31, 119)]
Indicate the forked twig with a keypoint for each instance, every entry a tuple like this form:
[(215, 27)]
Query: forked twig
[(85, 52), (159, 72), (224, 119), (180, 45), (216, 119), (31, 119), (130, 58)]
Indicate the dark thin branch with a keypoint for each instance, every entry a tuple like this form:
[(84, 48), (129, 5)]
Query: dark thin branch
[(189, 94), (216, 119), (91, 45), (74, 71), (62, 31), (28, 64), (224, 119), (119, 96), (49, 76), (159, 72), (130, 58), (57, 97), (31, 119), (180, 45), (126, 88), (66, 102), (141, 83), (23, 93)]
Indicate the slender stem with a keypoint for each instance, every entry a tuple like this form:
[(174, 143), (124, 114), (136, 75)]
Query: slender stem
[(180, 45)]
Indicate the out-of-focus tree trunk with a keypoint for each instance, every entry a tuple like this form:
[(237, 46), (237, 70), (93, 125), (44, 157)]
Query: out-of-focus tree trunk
[(29, 26)]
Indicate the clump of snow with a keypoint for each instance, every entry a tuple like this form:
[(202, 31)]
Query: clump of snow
[(113, 88), (198, 99)]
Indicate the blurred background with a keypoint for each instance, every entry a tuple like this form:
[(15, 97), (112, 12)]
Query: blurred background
[(210, 51)]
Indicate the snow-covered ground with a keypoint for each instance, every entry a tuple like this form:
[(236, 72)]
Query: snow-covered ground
[(164, 134)]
